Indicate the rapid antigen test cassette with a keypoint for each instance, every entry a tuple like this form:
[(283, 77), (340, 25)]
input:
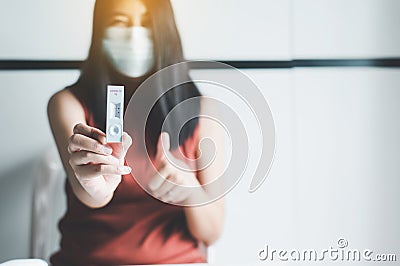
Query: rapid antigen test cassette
[(115, 106)]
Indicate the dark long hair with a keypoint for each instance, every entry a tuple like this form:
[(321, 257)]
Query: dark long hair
[(97, 72)]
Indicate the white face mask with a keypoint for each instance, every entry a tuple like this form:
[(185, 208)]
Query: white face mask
[(130, 50)]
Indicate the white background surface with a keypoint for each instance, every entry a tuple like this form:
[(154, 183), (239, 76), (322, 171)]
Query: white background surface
[(335, 172), (217, 29), (345, 29)]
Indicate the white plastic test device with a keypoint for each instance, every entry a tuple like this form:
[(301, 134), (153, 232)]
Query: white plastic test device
[(115, 113)]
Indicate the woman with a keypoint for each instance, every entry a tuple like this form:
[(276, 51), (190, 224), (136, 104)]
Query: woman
[(110, 219)]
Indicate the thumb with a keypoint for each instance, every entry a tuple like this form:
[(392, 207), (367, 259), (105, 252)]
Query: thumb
[(120, 148), (163, 145), (165, 141), (126, 141)]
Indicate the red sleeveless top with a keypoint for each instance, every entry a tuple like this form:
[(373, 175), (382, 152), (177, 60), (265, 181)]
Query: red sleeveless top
[(134, 228)]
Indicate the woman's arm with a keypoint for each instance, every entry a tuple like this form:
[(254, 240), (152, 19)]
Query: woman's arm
[(170, 182), (206, 222), (67, 121)]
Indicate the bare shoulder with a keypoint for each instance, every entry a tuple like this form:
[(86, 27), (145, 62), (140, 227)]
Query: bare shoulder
[(63, 99), (208, 109), (64, 109)]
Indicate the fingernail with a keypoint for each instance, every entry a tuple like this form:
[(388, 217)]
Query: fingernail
[(103, 140), (125, 169), (108, 150)]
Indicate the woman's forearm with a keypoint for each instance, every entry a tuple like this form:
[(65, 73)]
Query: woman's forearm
[(85, 197), (205, 222)]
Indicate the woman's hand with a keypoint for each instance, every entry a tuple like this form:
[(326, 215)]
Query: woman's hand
[(169, 183), (97, 166)]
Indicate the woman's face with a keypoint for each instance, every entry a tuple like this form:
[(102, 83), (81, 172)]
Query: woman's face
[(127, 39), (128, 13)]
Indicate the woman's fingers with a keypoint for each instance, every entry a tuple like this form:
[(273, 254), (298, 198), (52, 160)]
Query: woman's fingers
[(163, 146), (126, 142), (98, 165), (158, 179), (86, 157), (79, 142), (163, 189), (170, 192), (120, 149), (163, 182), (94, 170), (90, 132), (175, 195)]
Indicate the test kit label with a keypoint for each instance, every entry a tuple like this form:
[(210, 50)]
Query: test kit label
[(115, 109)]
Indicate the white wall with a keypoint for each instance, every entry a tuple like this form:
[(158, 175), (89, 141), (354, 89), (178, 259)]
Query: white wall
[(266, 215), (45, 29), (335, 172), (27, 137), (345, 29), (241, 30), (346, 158)]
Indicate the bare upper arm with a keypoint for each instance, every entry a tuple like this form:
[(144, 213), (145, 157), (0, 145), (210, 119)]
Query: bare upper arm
[(64, 111), (209, 129)]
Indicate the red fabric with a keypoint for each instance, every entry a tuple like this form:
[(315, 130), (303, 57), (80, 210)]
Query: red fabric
[(134, 228)]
